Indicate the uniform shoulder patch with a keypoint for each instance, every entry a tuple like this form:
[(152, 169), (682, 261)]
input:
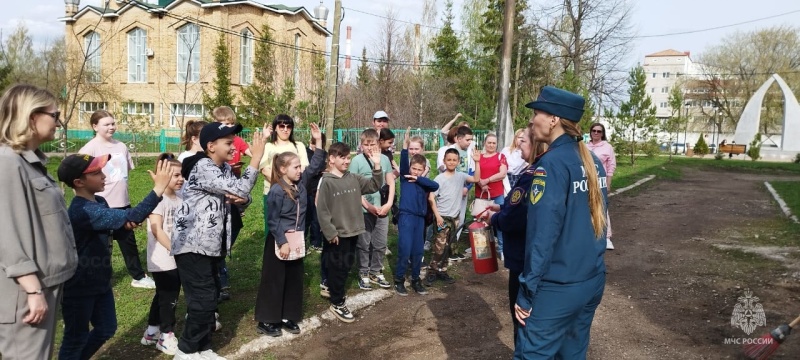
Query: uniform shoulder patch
[(540, 171), (537, 189), (516, 195)]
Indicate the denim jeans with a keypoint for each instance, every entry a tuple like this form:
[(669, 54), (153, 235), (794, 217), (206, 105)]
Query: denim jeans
[(78, 312)]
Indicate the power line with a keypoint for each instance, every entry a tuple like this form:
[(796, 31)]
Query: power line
[(716, 27)]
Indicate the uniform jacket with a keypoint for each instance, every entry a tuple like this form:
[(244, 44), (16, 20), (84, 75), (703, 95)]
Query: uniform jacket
[(509, 221), (203, 222), (37, 233), (414, 195), (560, 243), (283, 211), (92, 223)]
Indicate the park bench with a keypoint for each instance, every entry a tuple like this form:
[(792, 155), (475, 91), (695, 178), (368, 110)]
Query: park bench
[(735, 149)]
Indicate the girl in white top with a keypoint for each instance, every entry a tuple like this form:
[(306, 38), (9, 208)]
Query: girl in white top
[(116, 189), (281, 139), (191, 138), (516, 164)]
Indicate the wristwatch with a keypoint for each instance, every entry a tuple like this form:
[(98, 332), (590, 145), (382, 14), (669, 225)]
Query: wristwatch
[(37, 292)]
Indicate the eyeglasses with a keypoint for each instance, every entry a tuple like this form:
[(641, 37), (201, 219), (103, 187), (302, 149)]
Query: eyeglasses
[(55, 115), (597, 131), (384, 120), (284, 126)]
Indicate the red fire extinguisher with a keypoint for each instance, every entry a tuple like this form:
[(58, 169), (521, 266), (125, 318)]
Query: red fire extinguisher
[(484, 252)]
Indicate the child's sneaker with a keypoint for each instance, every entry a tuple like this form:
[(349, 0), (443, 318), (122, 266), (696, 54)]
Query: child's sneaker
[(144, 283), (400, 287), (417, 286), (342, 312), (218, 325), (379, 280), (180, 355), (363, 283), (430, 278), (323, 290), (168, 343), (455, 258), (446, 278), (149, 339)]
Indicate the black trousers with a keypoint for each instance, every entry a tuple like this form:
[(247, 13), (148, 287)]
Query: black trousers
[(338, 261), (162, 308), (130, 252), (513, 290), (280, 294), (198, 274)]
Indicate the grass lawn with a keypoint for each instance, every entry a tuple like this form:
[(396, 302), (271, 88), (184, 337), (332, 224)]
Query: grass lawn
[(790, 193), (245, 264)]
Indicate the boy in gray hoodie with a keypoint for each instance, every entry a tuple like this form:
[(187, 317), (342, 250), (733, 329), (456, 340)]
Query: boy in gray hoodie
[(341, 220)]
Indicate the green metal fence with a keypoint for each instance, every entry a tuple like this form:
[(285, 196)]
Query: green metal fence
[(168, 140)]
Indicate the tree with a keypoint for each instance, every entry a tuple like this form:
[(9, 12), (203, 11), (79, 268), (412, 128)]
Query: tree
[(701, 147), (261, 99), (675, 122), (636, 120), (364, 73), (222, 82), (754, 151), (448, 62)]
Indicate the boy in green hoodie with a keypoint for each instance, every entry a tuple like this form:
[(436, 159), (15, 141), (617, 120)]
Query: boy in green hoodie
[(341, 220)]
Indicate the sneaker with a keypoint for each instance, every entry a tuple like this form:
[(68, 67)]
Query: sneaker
[(180, 355), (144, 283), (224, 294), (445, 278), (323, 290), (379, 280), (468, 250), (417, 286), (462, 257), (455, 258), (291, 327), (609, 244), (148, 339), (211, 355), (363, 283), (314, 248), (168, 344), (218, 325), (427, 246), (388, 252), (342, 312), (400, 287)]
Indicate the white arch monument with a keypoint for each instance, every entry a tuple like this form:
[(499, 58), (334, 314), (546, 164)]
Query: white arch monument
[(747, 127)]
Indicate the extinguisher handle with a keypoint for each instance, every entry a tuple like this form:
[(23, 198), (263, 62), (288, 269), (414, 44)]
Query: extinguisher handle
[(481, 213)]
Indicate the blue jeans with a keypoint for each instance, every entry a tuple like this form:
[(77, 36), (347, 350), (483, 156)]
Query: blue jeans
[(499, 201), (78, 312)]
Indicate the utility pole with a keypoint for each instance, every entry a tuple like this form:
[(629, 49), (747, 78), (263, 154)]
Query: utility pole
[(505, 127), (333, 73)]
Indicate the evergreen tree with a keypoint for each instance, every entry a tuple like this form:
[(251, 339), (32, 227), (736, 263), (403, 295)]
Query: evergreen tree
[(675, 122), (701, 148), (448, 61), (222, 83), (636, 120), (364, 75), (262, 101)]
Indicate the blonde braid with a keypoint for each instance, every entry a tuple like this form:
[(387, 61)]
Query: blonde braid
[(596, 204)]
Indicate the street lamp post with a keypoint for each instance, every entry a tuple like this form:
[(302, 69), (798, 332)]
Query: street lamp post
[(685, 127)]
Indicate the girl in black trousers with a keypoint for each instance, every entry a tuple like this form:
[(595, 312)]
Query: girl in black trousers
[(279, 303)]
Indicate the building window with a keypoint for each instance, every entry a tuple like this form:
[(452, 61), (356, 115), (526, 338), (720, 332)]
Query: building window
[(92, 45), (137, 110), (652, 90), (137, 57), (654, 75), (296, 60), (188, 53), (665, 75), (179, 113), (665, 89), (246, 61), (86, 109)]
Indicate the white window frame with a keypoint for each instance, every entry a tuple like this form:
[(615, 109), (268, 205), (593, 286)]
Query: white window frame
[(138, 109), (296, 60), (93, 64), (137, 56), (193, 111), (246, 58), (86, 108), (188, 53)]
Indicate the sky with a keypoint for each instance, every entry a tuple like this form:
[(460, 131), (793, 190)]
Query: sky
[(650, 17)]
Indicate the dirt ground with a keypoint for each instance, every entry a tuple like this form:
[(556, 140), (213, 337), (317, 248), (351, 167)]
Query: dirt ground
[(670, 293)]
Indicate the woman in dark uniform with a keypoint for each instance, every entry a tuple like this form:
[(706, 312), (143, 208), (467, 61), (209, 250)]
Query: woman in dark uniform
[(563, 277), (505, 218)]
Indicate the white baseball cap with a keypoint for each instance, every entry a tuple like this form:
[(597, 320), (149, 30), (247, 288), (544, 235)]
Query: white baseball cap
[(380, 114)]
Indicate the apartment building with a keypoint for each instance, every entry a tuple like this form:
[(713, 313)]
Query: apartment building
[(154, 58)]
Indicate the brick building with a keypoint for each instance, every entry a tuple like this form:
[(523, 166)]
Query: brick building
[(152, 59)]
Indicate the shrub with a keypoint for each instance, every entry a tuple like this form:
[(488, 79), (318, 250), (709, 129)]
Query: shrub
[(797, 158), (701, 148), (718, 156), (651, 148), (754, 151)]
